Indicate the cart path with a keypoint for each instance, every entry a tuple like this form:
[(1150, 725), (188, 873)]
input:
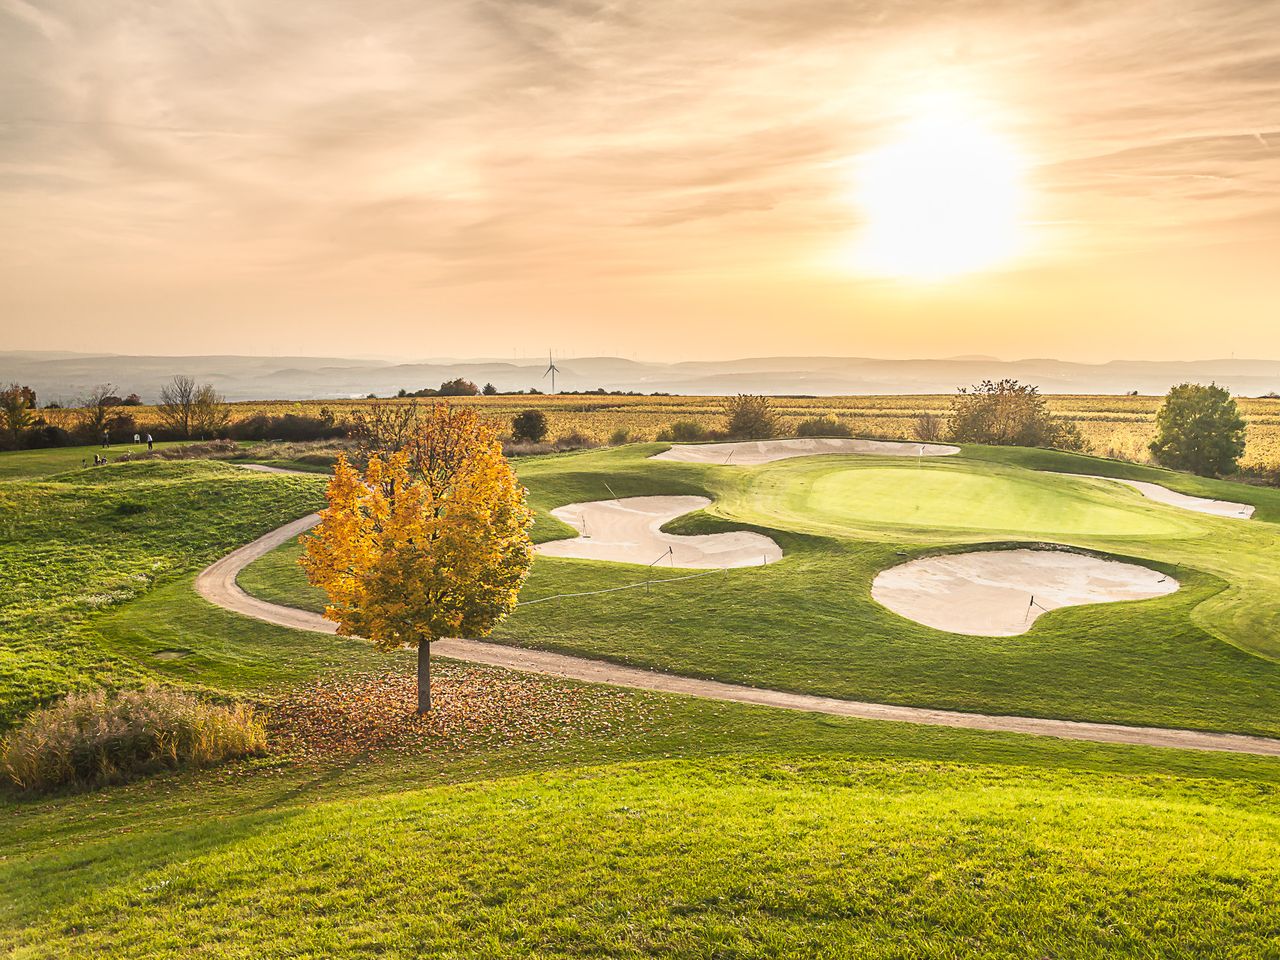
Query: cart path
[(217, 584)]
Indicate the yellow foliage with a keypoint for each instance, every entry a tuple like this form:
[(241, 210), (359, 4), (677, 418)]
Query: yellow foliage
[(431, 541)]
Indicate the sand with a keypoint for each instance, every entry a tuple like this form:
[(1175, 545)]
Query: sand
[(989, 593), (1216, 508), (626, 531), (750, 453)]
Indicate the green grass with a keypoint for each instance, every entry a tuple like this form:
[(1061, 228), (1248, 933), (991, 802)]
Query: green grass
[(742, 855), (26, 464), (86, 543), (809, 624), (688, 829)]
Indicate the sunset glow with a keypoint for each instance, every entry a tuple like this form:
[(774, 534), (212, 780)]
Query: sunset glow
[(944, 198)]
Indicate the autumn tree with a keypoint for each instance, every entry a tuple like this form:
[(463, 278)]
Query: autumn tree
[(210, 414), (1009, 413), (427, 541), (177, 403), (16, 404), (1199, 428), (95, 410)]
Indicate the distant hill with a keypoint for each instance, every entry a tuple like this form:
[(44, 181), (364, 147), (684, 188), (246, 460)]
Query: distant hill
[(62, 376)]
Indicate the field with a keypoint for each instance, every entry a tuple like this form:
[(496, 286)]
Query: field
[(1112, 426), (588, 821)]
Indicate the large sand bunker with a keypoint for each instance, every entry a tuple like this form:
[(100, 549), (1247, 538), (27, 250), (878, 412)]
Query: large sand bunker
[(627, 531), (1000, 593), (1216, 508), (749, 453)]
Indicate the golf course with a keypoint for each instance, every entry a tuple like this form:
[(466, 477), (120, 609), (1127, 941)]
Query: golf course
[(539, 814)]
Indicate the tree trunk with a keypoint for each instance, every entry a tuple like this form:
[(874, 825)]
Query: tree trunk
[(424, 677)]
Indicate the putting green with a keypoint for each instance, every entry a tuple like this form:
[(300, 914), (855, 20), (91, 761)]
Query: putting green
[(956, 497)]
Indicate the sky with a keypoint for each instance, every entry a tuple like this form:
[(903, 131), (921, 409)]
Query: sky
[(655, 179)]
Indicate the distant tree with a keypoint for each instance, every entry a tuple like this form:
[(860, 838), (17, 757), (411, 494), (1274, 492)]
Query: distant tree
[(529, 426), (823, 427), (132, 400), (1009, 413), (402, 393), (749, 417), (490, 390), (16, 404), (929, 427), (210, 414), (1199, 428), (177, 405), (371, 396), (431, 542), (95, 410), (458, 388)]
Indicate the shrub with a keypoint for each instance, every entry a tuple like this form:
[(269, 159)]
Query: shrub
[(823, 427), (619, 437), (1009, 413), (1199, 429), (529, 426), (929, 427), (749, 417), (92, 739), (290, 426), (684, 431), (574, 440)]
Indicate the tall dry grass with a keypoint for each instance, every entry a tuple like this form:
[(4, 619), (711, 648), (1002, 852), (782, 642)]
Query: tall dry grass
[(93, 738)]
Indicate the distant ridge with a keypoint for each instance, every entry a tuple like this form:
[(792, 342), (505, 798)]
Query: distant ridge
[(62, 375)]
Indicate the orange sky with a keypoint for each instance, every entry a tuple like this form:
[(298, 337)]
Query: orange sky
[(657, 179)]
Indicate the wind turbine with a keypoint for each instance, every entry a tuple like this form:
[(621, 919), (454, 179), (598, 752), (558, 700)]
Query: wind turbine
[(552, 369)]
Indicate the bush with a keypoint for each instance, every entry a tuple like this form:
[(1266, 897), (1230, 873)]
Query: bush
[(619, 437), (930, 427), (749, 417), (290, 426), (823, 427), (1009, 413), (684, 431), (92, 739), (529, 426)]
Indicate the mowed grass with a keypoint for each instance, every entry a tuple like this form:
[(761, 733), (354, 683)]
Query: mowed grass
[(736, 856), (808, 623), (688, 829)]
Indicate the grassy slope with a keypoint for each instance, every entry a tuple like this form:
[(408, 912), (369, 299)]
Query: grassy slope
[(808, 623), (82, 544), (26, 464), (697, 829)]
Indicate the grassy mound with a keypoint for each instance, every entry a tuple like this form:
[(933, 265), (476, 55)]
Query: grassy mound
[(91, 541)]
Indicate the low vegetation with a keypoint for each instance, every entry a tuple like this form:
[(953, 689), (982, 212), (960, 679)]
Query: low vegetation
[(1008, 414), (93, 738)]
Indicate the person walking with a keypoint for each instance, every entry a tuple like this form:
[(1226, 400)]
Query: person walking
[(136, 439), (149, 444), (106, 439)]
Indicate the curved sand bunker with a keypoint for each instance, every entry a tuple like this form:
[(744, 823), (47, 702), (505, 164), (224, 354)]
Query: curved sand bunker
[(750, 453), (626, 531), (1215, 508), (1000, 593)]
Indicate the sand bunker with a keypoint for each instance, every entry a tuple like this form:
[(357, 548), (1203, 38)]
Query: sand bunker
[(749, 453), (990, 593), (626, 531), (1216, 508)]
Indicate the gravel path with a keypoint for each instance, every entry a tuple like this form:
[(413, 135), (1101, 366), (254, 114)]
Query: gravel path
[(217, 584)]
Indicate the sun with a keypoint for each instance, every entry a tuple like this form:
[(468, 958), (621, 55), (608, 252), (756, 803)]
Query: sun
[(944, 198)]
